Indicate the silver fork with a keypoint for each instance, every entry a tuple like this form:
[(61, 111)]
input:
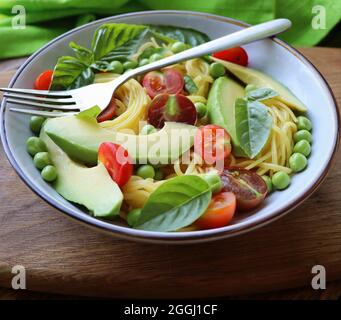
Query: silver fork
[(72, 101)]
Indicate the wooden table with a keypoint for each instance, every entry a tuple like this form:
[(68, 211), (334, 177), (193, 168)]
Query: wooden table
[(63, 257)]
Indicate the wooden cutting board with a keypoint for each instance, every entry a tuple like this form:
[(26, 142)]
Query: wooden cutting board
[(62, 256)]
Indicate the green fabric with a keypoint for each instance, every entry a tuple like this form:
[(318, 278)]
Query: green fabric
[(46, 19)]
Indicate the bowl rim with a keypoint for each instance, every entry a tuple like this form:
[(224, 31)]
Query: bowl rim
[(164, 237)]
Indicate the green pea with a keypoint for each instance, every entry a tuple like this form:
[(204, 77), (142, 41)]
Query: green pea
[(35, 123), (158, 175), (148, 129), (41, 160), (302, 135), (214, 182), (35, 145), (146, 171), (250, 87), (201, 109), (303, 123), (268, 182), (303, 147), (155, 57), (217, 70), (178, 47), (49, 173), (280, 180), (117, 67), (143, 62), (297, 162), (133, 216), (129, 65)]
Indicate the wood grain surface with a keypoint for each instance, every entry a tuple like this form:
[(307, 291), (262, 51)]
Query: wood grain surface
[(61, 256)]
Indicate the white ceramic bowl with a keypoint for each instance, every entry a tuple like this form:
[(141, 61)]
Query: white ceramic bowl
[(272, 56)]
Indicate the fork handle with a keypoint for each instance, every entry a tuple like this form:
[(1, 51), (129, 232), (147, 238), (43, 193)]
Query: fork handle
[(247, 35)]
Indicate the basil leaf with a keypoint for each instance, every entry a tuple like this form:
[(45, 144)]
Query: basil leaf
[(82, 54), (189, 36), (253, 126), (190, 85), (71, 73), (261, 94), (102, 66), (177, 203), (86, 77), (117, 40)]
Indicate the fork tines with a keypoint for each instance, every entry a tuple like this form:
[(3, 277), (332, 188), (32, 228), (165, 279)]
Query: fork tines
[(43, 99)]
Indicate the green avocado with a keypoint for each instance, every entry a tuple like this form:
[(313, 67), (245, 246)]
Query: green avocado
[(221, 108), (80, 138), (90, 187), (261, 80)]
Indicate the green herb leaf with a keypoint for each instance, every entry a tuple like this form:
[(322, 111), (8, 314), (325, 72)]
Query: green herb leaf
[(102, 66), (261, 94), (177, 203), (117, 40), (189, 36), (190, 85), (82, 54), (71, 73), (253, 126)]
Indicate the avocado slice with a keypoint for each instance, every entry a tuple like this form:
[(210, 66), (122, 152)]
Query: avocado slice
[(260, 79), (80, 139), (90, 187), (221, 108)]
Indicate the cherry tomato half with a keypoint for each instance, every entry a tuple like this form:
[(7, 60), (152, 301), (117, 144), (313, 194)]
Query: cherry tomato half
[(171, 107), (117, 161), (249, 187), (212, 143), (169, 80), (109, 112), (44, 80), (236, 55), (219, 213)]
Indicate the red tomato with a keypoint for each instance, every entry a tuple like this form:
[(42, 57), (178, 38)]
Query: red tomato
[(236, 55), (44, 80), (219, 213), (249, 188), (171, 107), (117, 161), (108, 113), (169, 80), (212, 143)]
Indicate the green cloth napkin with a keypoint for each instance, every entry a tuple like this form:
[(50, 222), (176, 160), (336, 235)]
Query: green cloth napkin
[(46, 19)]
